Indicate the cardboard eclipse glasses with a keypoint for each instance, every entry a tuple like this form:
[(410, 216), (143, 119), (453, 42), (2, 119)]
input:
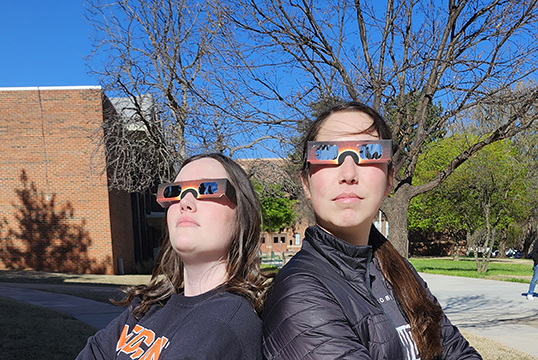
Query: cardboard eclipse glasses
[(170, 193), (362, 152)]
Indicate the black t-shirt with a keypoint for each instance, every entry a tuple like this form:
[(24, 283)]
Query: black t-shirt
[(213, 325)]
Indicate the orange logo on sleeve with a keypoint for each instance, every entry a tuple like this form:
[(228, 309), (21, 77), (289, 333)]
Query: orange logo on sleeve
[(140, 343)]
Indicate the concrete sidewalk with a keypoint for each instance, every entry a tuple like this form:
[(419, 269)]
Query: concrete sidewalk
[(494, 309), (497, 310), (94, 313)]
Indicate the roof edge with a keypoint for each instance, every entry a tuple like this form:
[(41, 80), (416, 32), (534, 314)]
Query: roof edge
[(29, 88)]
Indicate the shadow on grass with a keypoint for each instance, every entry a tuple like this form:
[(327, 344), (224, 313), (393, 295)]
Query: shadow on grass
[(454, 269), (32, 332)]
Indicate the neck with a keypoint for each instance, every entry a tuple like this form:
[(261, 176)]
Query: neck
[(353, 236), (200, 278)]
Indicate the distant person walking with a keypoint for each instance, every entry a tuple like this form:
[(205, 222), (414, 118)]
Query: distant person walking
[(530, 293)]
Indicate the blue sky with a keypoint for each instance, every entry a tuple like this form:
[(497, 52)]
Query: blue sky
[(43, 43)]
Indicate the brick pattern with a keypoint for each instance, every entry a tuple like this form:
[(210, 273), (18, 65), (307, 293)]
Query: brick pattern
[(54, 208)]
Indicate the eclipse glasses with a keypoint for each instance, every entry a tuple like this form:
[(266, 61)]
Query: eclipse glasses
[(168, 194), (361, 151)]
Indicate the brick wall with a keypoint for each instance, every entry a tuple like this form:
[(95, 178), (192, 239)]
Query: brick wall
[(54, 209)]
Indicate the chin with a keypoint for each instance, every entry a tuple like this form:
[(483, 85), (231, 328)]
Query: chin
[(350, 223), (183, 247)]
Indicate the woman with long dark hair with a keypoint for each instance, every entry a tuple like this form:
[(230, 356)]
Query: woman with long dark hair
[(348, 294), (206, 289)]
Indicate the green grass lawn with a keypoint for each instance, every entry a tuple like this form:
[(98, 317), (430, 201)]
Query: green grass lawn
[(516, 270), (33, 332)]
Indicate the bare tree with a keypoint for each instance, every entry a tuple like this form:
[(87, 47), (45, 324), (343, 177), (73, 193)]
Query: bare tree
[(149, 50), (233, 75), (404, 60), (165, 62)]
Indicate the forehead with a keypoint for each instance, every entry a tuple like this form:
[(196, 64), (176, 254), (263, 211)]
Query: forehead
[(205, 168), (347, 125)]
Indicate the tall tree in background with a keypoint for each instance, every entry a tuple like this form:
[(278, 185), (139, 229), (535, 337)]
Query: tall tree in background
[(229, 74), (165, 57), (458, 53), (484, 196), (490, 192), (435, 211), (149, 49)]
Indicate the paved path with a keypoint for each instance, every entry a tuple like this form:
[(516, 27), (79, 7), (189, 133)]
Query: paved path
[(494, 309)]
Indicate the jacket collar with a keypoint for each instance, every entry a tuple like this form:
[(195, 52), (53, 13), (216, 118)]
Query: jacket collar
[(351, 261)]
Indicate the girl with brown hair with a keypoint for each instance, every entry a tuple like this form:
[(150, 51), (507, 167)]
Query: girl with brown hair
[(348, 294), (206, 288)]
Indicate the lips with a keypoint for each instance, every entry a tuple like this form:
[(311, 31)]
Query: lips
[(186, 221), (347, 198)]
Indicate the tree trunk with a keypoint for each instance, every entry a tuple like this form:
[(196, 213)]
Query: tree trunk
[(475, 254), (502, 248), (530, 235), (456, 254), (483, 267), (395, 209), (455, 236)]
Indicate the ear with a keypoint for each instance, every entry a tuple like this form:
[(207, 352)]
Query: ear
[(390, 181), (306, 187)]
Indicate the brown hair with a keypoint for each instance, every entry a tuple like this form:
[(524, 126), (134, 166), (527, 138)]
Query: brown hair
[(423, 314), (243, 260)]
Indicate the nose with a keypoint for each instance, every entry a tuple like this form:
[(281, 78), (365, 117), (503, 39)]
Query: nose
[(188, 203), (348, 171)]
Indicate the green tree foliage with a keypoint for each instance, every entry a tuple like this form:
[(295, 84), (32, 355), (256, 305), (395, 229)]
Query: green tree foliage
[(434, 211), (487, 193), (527, 142), (278, 213)]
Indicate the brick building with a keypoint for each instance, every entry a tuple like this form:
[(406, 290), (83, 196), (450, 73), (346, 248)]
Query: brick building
[(56, 211)]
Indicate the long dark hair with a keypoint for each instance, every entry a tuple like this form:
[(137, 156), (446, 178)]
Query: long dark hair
[(423, 314), (243, 260)]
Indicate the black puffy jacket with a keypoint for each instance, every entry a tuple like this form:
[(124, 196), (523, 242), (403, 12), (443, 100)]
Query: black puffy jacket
[(320, 306)]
